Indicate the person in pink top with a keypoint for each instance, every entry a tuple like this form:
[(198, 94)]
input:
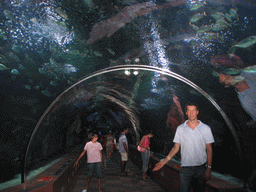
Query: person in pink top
[(144, 143), (94, 160)]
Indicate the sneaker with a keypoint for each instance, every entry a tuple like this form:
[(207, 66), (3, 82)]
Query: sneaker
[(85, 190)]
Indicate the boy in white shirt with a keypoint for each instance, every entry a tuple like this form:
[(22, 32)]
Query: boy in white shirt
[(94, 160)]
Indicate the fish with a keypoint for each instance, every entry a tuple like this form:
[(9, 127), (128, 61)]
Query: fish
[(233, 13), (218, 27), (111, 51), (236, 73), (215, 74), (53, 68), (3, 67), (15, 72), (47, 93), (186, 37), (229, 60), (210, 35), (28, 87), (3, 59), (228, 17), (14, 57), (42, 71), (231, 71), (247, 42), (195, 27), (218, 15), (98, 54), (196, 6), (68, 69), (250, 69), (237, 79), (204, 28), (196, 17), (54, 83), (61, 13), (21, 67), (223, 23), (36, 87)]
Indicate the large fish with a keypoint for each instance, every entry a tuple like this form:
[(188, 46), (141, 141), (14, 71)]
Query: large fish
[(54, 68), (246, 43), (108, 27), (186, 37), (227, 60)]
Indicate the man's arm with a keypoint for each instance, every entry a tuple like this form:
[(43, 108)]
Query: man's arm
[(209, 161), (173, 152), (101, 157), (81, 155)]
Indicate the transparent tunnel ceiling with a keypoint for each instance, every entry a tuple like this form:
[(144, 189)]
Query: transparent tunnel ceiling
[(72, 66)]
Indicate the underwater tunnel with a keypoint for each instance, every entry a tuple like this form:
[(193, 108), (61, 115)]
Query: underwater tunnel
[(72, 68)]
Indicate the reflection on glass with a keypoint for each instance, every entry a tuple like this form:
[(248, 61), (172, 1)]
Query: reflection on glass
[(244, 83)]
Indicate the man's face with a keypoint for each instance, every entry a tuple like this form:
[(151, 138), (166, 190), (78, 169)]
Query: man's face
[(192, 112), (126, 131)]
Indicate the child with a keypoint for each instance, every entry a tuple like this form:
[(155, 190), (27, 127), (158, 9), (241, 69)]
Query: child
[(94, 160)]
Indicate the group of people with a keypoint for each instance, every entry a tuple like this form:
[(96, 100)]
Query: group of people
[(192, 137)]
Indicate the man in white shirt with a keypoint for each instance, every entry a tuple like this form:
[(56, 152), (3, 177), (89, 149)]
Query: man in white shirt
[(195, 140), (123, 150)]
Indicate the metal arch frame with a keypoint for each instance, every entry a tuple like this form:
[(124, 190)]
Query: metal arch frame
[(146, 68)]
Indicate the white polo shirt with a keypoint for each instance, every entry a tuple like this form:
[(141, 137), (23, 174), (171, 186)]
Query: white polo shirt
[(193, 143)]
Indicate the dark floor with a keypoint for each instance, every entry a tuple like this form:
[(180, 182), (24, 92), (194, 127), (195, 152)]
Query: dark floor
[(112, 181)]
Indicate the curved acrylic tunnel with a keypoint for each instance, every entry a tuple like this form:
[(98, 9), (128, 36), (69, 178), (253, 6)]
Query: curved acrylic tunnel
[(110, 99), (71, 67)]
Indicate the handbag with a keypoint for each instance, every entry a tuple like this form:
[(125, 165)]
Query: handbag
[(141, 149)]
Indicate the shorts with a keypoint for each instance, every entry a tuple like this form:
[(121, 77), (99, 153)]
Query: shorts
[(94, 168), (124, 156)]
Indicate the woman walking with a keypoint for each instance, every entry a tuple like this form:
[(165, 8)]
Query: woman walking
[(144, 143), (109, 144)]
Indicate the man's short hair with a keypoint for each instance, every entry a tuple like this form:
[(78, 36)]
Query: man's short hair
[(191, 103), (94, 134), (125, 128)]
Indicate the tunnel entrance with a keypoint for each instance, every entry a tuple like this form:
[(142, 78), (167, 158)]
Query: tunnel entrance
[(137, 96)]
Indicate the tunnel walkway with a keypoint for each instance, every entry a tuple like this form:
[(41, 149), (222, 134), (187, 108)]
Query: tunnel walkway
[(112, 181)]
